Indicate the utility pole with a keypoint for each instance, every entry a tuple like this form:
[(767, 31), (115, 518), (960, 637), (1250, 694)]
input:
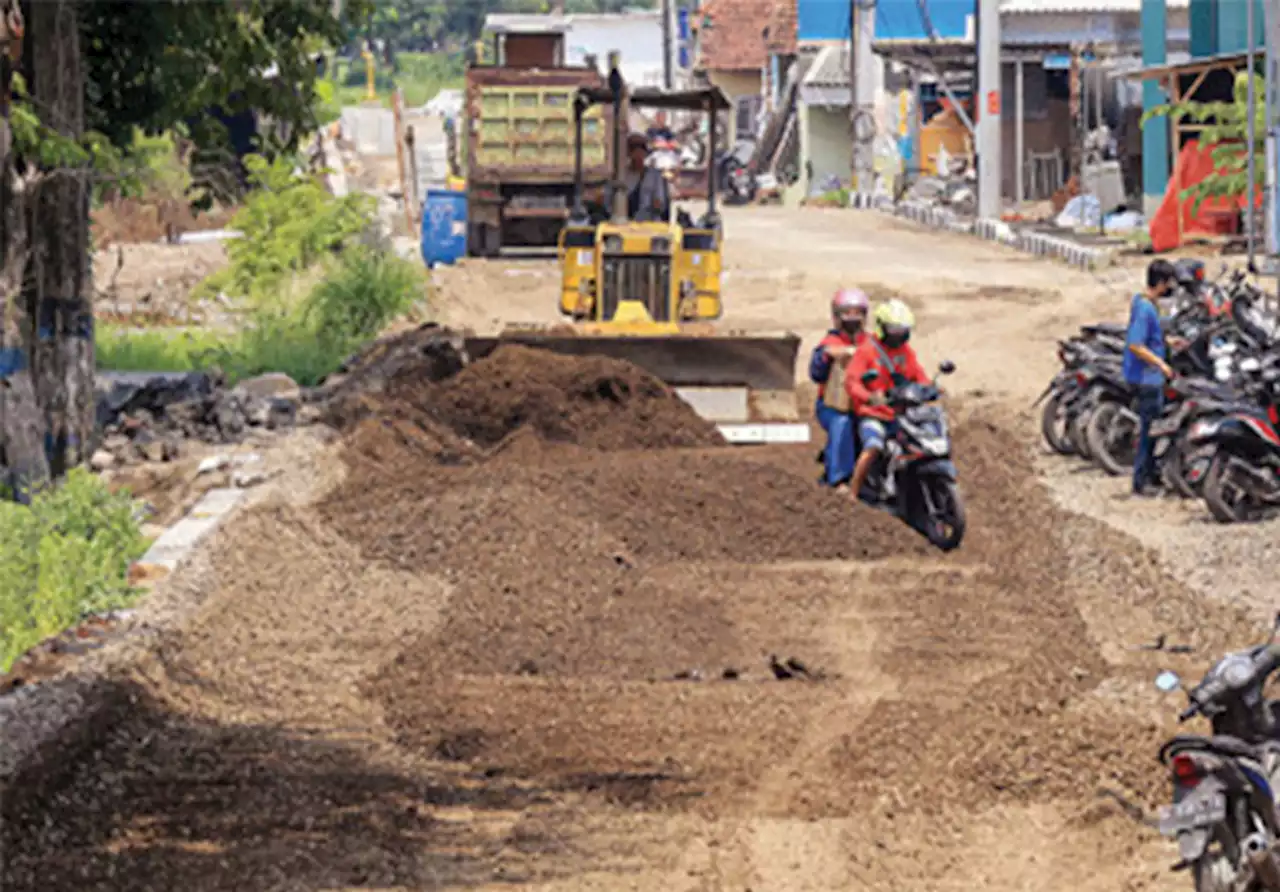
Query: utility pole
[(668, 44), (988, 125), (862, 119), (1251, 109), (1271, 22)]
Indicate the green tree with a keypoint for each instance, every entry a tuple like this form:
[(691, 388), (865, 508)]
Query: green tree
[(1226, 128)]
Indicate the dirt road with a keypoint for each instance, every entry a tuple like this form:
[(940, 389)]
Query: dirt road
[(547, 666)]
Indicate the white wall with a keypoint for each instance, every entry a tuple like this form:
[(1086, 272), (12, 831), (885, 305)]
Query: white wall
[(637, 36)]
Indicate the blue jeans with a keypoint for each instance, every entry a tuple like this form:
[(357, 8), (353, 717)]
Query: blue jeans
[(873, 432), (839, 454), (1150, 404)]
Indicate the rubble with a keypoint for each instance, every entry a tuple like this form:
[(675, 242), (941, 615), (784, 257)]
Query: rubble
[(147, 418)]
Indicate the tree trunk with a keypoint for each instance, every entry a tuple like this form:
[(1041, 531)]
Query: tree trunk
[(58, 287), (22, 455)]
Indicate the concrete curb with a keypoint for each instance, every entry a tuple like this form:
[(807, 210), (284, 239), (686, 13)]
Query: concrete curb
[(1037, 244)]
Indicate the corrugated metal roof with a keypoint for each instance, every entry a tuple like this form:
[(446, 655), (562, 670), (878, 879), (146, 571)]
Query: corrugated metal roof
[(829, 69), (1029, 7)]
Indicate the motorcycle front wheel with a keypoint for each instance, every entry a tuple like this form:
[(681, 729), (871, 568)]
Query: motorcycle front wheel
[(1053, 425), (944, 523)]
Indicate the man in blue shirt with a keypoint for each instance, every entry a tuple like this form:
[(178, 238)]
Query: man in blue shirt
[(1146, 367)]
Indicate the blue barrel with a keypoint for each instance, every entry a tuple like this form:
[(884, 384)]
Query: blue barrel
[(444, 226)]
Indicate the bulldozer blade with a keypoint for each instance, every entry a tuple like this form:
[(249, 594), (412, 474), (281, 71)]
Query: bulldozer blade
[(757, 363)]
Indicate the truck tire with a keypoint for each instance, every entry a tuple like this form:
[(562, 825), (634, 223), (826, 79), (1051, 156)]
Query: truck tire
[(484, 240)]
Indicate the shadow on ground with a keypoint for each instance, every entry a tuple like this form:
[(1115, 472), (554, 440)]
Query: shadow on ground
[(164, 802)]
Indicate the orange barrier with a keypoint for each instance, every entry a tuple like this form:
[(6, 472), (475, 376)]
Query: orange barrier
[(1175, 219)]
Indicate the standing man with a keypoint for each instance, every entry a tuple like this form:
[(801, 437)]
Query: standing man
[(1146, 367)]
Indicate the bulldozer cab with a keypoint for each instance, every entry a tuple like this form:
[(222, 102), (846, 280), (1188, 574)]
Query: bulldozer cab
[(636, 259)]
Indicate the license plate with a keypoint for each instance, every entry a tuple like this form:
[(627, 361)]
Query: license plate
[(1193, 813)]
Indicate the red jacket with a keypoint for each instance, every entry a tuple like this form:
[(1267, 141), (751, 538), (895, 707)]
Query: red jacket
[(869, 356)]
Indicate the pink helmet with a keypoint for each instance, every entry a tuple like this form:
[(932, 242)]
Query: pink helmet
[(847, 299)]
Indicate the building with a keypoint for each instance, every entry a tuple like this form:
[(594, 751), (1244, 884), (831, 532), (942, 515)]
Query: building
[(1218, 37), (927, 42), (744, 47), (637, 35)]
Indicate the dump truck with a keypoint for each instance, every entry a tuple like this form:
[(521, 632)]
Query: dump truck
[(647, 290), (519, 138)]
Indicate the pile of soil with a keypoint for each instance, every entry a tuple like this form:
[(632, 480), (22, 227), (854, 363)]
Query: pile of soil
[(423, 378), (595, 402)]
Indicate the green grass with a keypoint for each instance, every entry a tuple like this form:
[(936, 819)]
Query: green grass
[(359, 295), (154, 350)]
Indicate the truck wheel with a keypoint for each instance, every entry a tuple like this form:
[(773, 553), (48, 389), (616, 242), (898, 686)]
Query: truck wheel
[(484, 240)]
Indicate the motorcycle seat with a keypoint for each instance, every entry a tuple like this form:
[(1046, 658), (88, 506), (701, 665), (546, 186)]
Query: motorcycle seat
[(1105, 328)]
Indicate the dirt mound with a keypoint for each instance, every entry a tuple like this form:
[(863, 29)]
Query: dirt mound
[(593, 402)]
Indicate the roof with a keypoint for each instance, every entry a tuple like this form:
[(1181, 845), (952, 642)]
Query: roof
[(1051, 7), (516, 23), (1191, 65), (656, 97), (542, 23), (782, 27), (829, 69), (738, 35)]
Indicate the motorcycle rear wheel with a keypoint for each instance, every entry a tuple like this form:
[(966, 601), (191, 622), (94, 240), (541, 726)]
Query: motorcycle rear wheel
[(1077, 428), (1054, 426), (1111, 445), (1225, 504), (1178, 465)]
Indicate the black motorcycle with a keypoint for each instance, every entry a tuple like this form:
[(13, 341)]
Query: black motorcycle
[(914, 477), (1224, 809)]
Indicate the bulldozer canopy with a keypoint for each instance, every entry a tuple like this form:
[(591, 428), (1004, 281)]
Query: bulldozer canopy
[(703, 99)]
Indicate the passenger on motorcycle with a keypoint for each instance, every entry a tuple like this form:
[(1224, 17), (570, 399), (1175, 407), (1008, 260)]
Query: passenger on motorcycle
[(888, 352), (849, 309)]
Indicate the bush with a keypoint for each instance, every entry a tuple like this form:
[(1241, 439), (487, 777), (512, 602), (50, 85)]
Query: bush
[(65, 556), (289, 223)]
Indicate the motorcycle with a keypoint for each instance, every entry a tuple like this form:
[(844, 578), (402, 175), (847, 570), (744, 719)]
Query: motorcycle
[(1243, 479), (914, 477), (1223, 814)]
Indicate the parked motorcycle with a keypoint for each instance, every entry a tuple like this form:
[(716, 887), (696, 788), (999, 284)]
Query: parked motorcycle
[(1242, 482), (914, 477), (1223, 814)]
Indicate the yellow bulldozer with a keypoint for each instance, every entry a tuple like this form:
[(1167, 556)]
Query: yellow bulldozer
[(648, 290)]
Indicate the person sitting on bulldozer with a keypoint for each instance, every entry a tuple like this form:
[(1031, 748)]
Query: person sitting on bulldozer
[(648, 192), (849, 307)]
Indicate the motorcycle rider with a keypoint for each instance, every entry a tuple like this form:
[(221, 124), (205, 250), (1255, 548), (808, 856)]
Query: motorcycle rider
[(889, 354), (849, 308)]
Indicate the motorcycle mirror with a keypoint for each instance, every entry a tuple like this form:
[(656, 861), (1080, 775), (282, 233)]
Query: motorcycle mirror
[(1168, 682), (946, 367), (869, 375)]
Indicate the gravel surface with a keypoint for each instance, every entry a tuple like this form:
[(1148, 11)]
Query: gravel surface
[(524, 661)]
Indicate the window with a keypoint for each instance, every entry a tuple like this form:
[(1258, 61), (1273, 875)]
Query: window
[(745, 111)]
